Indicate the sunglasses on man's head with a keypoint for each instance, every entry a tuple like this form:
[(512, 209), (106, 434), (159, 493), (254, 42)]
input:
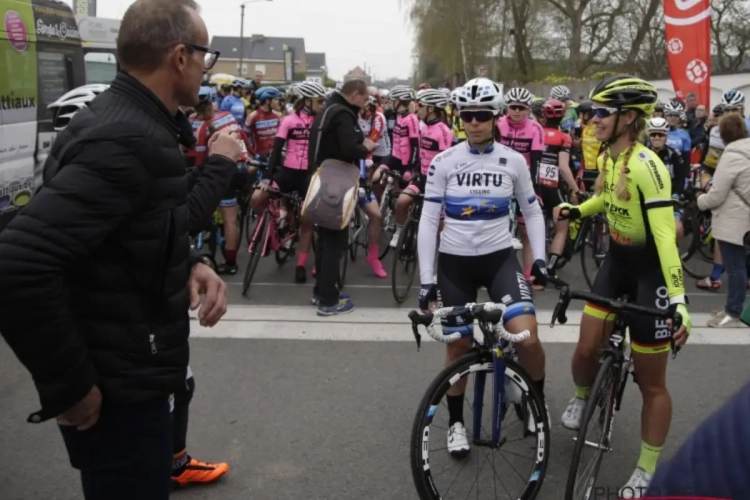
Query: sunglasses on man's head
[(480, 116), (604, 112), (518, 107), (658, 135)]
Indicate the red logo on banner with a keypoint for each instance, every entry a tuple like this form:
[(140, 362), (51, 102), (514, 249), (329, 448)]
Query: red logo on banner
[(688, 30)]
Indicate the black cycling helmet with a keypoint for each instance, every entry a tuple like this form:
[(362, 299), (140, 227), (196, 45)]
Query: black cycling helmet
[(585, 107)]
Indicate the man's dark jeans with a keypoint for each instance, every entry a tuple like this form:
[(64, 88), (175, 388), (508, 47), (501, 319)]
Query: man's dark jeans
[(734, 259), (327, 259), (127, 455)]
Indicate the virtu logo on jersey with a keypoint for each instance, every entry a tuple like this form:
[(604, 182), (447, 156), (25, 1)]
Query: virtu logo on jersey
[(479, 179)]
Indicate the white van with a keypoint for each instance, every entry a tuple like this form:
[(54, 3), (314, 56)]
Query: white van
[(41, 58)]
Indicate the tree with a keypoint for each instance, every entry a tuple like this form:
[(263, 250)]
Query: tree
[(730, 30)]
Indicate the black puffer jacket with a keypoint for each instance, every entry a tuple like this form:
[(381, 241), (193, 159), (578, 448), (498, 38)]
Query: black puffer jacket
[(93, 271)]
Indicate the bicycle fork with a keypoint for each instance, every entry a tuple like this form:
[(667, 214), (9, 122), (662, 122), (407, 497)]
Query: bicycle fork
[(498, 402)]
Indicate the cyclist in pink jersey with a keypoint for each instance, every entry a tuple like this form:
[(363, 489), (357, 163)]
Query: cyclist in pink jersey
[(435, 138), (404, 155), (291, 174), (522, 134)]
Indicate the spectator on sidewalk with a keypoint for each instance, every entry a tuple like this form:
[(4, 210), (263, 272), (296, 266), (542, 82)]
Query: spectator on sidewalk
[(101, 255), (340, 139), (697, 127), (729, 202)]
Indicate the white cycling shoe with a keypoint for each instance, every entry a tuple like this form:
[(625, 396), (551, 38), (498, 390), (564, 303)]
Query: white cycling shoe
[(637, 484), (458, 443), (571, 418)]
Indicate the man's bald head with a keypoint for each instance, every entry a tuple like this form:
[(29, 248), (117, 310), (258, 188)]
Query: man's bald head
[(150, 28)]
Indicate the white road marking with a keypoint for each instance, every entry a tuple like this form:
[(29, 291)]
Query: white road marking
[(391, 324), (388, 287)]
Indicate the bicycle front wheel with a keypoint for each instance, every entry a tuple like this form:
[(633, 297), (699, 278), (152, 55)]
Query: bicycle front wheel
[(595, 431), (594, 250), (256, 248), (521, 456)]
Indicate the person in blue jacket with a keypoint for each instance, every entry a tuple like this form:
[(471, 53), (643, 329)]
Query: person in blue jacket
[(678, 138), (233, 98), (715, 461)]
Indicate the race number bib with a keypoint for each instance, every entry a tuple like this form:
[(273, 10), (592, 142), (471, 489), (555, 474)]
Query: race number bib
[(548, 175)]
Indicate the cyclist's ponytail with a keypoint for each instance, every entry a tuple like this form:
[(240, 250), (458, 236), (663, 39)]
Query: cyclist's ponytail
[(634, 131)]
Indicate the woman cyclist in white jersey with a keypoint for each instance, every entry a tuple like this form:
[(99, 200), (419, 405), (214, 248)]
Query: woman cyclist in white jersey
[(475, 181)]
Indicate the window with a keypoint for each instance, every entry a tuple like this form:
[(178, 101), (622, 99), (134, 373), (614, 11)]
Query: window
[(261, 68), (101, 67), (55, 74), (243, 71)]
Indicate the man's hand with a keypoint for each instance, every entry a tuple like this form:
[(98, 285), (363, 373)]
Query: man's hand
[(370, 145), (225, 143), (204, 281), (85, 413)]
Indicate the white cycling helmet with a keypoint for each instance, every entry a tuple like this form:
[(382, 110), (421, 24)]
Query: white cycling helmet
[(70, 103), (481, 93), (519, 94), (673, 107), (733, 98), (454, 95), (402, 93), (384, 93), (445, 91), (309, 90), (658, 125), (432, 97), (559, 92)]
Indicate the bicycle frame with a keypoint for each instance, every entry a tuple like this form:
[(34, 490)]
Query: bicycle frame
[(498, 349), (271, 240)]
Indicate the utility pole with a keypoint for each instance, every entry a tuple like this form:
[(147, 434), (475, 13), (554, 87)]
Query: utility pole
[(242, 36)]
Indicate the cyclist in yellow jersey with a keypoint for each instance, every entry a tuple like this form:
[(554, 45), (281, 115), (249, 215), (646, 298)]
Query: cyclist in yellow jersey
[(589, 145), (634, 190)]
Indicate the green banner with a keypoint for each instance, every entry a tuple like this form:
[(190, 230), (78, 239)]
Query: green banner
[(18, 87)]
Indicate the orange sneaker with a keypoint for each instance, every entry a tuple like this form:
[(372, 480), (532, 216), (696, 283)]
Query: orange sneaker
[(197, 472)]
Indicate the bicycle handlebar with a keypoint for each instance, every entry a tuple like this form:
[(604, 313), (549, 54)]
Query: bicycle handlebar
[(617, 306), (488, 312)]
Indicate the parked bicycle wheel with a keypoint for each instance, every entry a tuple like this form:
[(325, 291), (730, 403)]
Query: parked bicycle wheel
[(522, 456), (595, 431), (405, 261), (256, 247), (693, 261)]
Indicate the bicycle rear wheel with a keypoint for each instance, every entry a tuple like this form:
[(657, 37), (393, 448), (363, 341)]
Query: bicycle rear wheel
[(601, 404), (405, 261), (523, 458), (257, 243)]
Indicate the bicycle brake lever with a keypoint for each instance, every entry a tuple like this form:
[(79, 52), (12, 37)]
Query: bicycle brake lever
[(417, 336)]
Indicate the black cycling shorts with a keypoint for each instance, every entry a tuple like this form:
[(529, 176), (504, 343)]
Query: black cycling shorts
[(551, 197), (289, 179), (644, 286), (394, 163), (459, 278)]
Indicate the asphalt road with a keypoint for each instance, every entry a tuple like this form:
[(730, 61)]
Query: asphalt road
[(331, 420)]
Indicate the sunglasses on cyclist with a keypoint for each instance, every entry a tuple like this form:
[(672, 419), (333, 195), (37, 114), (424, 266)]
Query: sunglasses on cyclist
[(672, 115), (518, 107), (729, 109), (480, 116), (658, 135), (604, 112)]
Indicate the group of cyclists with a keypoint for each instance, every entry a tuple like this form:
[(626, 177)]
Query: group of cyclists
[(476, 155)]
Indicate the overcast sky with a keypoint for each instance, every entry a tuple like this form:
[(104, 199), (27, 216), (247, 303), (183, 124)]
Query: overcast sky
[(350, 32)]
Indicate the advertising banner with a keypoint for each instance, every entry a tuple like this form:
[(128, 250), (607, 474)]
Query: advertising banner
[(688, 38)]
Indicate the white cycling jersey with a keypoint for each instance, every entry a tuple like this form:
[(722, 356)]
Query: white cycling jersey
[(476, 190)]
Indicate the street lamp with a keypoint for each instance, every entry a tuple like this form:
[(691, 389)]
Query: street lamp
[(242, 28)]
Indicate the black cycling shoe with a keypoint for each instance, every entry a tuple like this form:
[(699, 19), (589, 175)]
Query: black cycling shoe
[(300, 274), (227, 269)]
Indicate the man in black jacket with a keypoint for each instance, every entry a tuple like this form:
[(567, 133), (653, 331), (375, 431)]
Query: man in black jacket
[(341, 140), (101, 257)]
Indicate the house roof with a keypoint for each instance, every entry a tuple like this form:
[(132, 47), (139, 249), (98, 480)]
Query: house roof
[(357, 71), (257, 47), (316, 61)]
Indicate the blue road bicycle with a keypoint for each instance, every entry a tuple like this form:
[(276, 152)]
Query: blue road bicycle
[(514, 434)]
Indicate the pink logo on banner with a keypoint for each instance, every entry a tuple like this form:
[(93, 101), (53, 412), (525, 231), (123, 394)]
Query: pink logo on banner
[(18, 33)]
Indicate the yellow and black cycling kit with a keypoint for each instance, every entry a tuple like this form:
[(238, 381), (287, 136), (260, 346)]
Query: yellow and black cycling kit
[(590, 146), (712, 151), (458, 128), (642, 261)]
